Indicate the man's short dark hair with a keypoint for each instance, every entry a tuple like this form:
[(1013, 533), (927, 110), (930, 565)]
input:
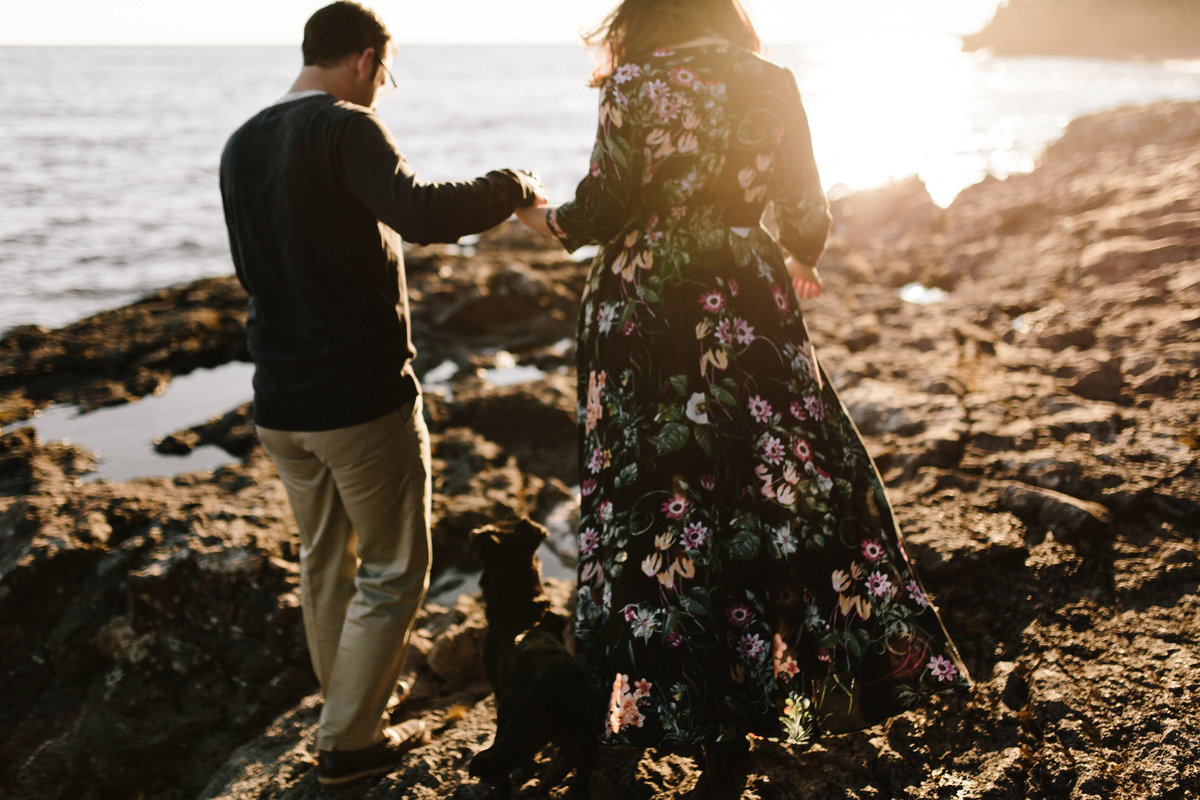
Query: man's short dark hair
[(342, 29)]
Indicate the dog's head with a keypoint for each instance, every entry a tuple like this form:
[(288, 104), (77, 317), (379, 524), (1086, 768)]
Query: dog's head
[(512, 572)]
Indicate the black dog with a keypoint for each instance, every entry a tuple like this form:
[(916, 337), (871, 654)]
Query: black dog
[(542, 696)]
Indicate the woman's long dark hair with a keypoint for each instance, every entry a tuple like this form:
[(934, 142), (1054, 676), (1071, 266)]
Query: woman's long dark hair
[(636, 28)]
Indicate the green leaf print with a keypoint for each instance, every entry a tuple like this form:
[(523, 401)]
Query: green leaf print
[(673, 437)]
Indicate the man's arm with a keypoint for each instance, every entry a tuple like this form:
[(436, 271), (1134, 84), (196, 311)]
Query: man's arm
[(380, 177)]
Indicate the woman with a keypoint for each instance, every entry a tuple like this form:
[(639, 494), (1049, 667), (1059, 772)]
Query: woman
[(740, 571)]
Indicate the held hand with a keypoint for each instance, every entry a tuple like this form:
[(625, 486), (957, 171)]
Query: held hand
[(805, 279), (534, 216), (534, 183)]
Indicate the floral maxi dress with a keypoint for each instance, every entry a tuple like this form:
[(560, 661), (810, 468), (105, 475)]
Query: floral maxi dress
[(739, 567)]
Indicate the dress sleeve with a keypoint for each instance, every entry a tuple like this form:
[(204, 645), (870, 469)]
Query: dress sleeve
[(602, 199), (801, 210)]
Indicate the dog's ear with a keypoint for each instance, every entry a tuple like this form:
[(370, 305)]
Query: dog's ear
[(529, 535), (485, 540)]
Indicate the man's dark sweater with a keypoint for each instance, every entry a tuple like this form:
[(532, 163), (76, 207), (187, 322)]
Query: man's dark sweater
[(317, 198)]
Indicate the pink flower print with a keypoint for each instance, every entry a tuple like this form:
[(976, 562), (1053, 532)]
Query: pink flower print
[(773, 451), (596, 462), (942, 668), (813, 405), (641, 689), (760, 409), (725, 331), (784, 663), (656, 90), (823, 654), (684, 76), (674, 638), (605, 511), (676, 507), (879, 585), (626, 73), (733, 288), (629, 612), (801, 449), (872, 550), (623, 706), (798, 410), (781, 300), (588, 540), (708, 482), (752, 647), (738, 615), (596, 169), (694, 536), (628, 328), (743, 331), (588, 487), (713, 301), (917, 595)]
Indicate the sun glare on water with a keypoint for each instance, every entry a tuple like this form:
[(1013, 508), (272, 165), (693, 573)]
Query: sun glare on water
[(886, 106)]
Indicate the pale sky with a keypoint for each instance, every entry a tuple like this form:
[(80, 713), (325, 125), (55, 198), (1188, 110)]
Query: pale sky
[(440, 21)]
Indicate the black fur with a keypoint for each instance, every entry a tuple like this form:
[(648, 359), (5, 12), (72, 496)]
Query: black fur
[(542, 696)]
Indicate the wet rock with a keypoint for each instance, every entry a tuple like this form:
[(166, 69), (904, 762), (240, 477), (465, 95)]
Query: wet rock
[(1054, 510)]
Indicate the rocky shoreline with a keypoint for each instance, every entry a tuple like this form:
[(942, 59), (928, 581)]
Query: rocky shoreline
[(1140, 30), (1039, 431)]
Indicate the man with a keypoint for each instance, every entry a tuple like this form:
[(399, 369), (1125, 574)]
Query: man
[(317, 198)]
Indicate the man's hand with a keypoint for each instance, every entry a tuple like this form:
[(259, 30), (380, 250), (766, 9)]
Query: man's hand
[(805, 279), (533, 184)]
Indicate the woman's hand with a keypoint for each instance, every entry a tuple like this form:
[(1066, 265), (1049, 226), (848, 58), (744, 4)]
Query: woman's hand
[(534, 216), (805, 279)]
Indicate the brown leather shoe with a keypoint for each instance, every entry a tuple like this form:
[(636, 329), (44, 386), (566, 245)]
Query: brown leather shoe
[(342, 766)]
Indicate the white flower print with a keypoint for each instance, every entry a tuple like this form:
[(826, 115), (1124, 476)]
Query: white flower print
[(697, 409), (785, 540), (606, 317), (917, 595)]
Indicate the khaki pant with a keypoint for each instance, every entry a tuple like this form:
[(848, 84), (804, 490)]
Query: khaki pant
[(361, 499)]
